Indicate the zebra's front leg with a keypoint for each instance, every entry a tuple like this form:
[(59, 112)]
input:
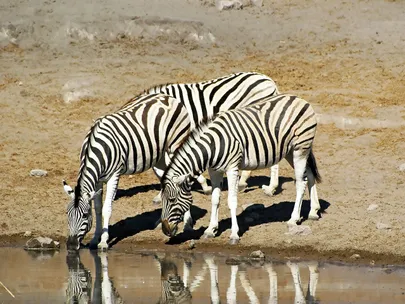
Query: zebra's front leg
[(300, 163), (272, 187), (216, 178), (98, 205), (243, 180), (112, 185), (232, 176)]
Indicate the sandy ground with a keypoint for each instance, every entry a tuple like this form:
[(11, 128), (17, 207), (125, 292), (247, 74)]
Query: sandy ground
[(346, 58)]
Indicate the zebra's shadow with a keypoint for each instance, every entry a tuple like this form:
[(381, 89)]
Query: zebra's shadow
[(142, 222), (256, 214)]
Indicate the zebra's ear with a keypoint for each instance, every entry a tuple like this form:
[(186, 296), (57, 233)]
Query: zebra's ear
[(180, 179), (69, 191)]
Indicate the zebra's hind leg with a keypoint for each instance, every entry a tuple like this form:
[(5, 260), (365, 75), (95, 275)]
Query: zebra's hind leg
[(232, 176), (272, 187), (243, 180), (300, 164), (216, 178), (313, 194)]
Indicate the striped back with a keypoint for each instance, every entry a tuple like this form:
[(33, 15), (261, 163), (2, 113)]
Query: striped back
[(205, 99)]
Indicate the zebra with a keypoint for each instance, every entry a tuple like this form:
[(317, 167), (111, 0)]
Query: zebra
[(128, 141), (79, 284), (205, 99), (80, 288), (254, 137), (173, 289)]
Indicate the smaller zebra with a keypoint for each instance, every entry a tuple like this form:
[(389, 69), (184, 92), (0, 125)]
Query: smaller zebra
[(250, 138), (128, 141)]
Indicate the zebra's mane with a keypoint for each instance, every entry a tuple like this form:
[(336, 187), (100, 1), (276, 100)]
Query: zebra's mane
[(157, 87), (201, 127), (83, 156)]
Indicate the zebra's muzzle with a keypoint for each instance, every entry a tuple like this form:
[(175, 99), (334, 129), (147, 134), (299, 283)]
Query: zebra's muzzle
[(72, 243), (169, 229)]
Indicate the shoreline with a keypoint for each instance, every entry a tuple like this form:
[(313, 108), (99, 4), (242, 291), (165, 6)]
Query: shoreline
[(277, 254)]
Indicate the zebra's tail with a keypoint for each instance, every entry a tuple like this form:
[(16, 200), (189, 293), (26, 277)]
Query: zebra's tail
[(311, 162)]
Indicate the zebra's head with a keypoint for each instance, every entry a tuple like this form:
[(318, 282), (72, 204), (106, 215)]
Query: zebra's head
[(176, 200), (79, 215)]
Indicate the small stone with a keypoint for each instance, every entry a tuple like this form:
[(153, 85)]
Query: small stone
[(298, 230), (228, 4), (233, 261), (191, 244), (257, 255), (355, 256), (41, 243), (38, 172), (383, 226), (252, 207), (372, 207), (402, 167), (27, 233), (288, 241)]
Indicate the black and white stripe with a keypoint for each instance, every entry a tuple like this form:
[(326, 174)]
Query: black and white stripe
[(254, 137), (129, 141), (205, 99), (79, 284), (173, 289)]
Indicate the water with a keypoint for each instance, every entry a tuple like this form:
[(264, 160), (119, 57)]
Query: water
[(116, 277)]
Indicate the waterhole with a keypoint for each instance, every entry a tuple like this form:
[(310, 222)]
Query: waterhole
[(158, 277)]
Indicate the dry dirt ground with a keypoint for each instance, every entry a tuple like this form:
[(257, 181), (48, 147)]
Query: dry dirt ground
[(65, 63)]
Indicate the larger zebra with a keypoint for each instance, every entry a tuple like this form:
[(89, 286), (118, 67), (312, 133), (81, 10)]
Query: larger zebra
[(255, 137), (129, 141), (205, 99)]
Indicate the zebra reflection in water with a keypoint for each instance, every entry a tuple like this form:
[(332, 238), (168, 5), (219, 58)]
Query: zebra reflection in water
[(79, 288), (175, 289)]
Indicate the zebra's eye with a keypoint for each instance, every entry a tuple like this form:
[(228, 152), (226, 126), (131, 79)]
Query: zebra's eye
[(172, 200), (85, 216)]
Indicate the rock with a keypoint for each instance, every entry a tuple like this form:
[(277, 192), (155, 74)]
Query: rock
[(41, 243), (233, 261), (383, 226), (191, 244), (38, 172), (257, 255), (298, 230), (372, 207), (355, 256), (27, 233), (402, 167), (252, 207), (228, 4)]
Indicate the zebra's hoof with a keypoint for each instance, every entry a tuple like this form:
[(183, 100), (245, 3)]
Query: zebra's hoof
[(102, 247), (313, 216), (233, 241), (208, 235), (269, 190)]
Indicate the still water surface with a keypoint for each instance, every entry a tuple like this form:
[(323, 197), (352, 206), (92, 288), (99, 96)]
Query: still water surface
[(116, 277)]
